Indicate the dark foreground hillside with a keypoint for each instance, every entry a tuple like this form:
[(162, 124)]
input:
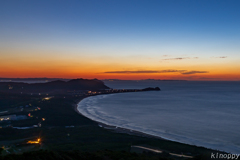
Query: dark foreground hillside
[(65, 134)]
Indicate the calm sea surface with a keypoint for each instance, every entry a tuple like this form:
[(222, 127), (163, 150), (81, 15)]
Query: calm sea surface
[(199, 113)]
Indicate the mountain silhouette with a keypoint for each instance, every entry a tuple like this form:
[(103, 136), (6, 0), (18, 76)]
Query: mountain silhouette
[(54, 86)]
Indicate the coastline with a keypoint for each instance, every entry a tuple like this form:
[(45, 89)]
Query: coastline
[(115, 128), (129, 131)]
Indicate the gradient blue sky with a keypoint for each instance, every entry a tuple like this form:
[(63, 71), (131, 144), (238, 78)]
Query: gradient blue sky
[(111, 35)]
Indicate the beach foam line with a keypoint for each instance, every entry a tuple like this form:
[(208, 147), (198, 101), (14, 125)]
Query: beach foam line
[(119, 129)]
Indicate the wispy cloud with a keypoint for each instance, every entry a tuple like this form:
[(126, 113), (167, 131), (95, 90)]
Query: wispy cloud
[(166, 71), (145, 71), (181, 58), (220, 57), (194, 72), (155, 71), (165, 55)]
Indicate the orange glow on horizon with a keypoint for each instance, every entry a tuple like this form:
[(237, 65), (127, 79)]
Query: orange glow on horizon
[(171, 76), (89, 67)]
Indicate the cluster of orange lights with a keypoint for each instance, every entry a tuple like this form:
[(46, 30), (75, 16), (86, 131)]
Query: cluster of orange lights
[(34, 142)]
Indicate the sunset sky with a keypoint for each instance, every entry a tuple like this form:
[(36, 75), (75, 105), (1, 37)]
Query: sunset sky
[(120, 39)]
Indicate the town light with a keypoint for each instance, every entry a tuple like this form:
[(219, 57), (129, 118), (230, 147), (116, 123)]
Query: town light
[(34, 142)]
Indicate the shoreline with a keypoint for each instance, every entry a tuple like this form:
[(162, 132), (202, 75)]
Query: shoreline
[(118, 129), (132, 132)]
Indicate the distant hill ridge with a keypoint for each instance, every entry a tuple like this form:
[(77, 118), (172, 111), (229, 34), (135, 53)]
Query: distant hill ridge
[(58, 85)]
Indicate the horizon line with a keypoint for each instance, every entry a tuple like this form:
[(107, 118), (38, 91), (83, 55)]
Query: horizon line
[(1, 78)]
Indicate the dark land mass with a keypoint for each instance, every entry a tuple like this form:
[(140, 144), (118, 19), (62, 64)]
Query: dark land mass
[(66, 134), (32, 80), (151, 89), (54, 86)]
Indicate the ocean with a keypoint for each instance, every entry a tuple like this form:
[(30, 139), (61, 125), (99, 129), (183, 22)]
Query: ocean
[(199, 113)]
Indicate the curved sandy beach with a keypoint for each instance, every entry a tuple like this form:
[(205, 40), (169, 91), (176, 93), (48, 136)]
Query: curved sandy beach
[(115, 128)]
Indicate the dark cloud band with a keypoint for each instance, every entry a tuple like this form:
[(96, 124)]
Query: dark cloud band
[(155, 71), (181, 58), (220, 57), (194, 72)]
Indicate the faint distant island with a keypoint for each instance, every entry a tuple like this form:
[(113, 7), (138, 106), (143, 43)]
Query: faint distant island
[(32, 80)]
